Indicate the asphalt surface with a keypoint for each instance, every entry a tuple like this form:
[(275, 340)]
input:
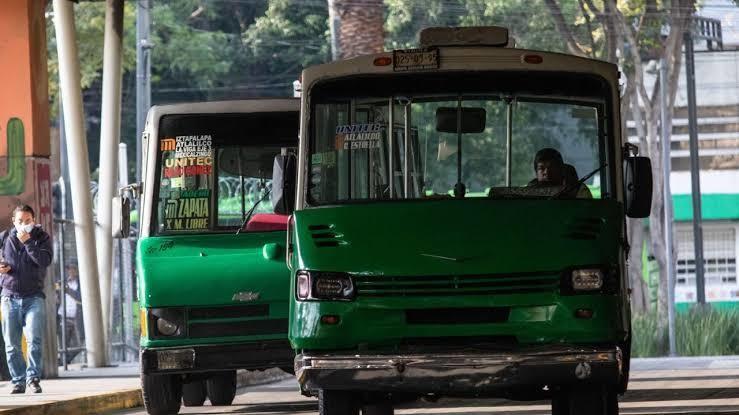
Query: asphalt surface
[(688, 386)]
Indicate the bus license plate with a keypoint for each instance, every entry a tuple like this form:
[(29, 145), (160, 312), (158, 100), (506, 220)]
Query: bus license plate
[(411, 60)]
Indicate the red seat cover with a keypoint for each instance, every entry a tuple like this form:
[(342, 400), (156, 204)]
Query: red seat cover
[(262, 222)]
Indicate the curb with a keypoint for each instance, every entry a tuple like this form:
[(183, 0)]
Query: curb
[(127, 399), (85, 405)]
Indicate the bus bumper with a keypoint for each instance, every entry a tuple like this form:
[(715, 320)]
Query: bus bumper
[(205, 358), (459, 374)]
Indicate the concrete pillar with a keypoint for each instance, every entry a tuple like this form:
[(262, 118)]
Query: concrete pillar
[(110, 129), (79, 173), (24, 133)]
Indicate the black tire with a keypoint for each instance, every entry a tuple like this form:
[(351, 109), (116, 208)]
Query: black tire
[(592, 401), (560, 405), (162, 394), (337, 403), (612, 404), (222, 388), (624, 381), (378, 408), (194, 393)]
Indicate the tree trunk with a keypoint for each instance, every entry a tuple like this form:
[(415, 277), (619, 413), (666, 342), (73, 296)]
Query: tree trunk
[(640, 296), (639, 287), (656, 219)]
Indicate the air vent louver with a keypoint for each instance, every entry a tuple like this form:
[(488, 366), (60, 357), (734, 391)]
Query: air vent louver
[(585, 228), (325, 236)]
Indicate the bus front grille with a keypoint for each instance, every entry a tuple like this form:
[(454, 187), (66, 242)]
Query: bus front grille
[(238, 328), (409, 286)]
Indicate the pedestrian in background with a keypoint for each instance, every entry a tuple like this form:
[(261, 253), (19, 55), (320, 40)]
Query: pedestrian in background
[(70, 316), (26, 252)]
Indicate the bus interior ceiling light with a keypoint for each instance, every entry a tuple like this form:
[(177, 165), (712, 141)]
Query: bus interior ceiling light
[(464, 36)]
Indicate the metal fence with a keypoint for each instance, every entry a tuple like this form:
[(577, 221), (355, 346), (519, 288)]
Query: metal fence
[(123, 335)]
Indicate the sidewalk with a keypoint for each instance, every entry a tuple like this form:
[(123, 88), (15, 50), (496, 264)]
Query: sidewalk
[(78, 391), (684, 363)]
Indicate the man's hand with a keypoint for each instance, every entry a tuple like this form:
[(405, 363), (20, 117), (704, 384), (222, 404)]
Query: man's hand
[(24, 236), (4, 269)]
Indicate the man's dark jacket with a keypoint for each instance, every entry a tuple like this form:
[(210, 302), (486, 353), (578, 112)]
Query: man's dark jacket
[(27, 261)]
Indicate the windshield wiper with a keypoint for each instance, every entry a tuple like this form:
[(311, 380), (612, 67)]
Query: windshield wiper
[(579, 182), (251, 211)]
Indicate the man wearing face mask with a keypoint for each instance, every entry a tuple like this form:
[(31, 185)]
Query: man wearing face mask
[(26, 252)]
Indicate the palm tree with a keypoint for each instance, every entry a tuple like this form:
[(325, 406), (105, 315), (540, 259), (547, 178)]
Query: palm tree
[(356, 27)]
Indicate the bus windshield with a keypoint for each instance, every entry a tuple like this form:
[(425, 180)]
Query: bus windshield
[(214, 169), (462, 145), (351, 154)]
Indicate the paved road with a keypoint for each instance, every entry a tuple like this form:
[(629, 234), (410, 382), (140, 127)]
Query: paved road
[(658, 386)]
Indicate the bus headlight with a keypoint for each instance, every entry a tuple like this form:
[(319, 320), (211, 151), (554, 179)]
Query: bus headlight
[(324, 286), (587, 279), (166, 327), (166, 322)]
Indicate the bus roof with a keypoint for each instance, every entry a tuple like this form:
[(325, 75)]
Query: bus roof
[(464, 58), (235, 106)]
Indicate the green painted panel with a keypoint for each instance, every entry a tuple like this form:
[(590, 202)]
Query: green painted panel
[(207, 270), (502, 239), (718, 305), (714, 206)]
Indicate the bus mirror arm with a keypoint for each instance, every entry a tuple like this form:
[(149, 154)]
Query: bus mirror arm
[(134, 189)]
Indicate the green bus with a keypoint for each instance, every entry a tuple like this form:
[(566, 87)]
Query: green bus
[(212, 279), (425, 261)]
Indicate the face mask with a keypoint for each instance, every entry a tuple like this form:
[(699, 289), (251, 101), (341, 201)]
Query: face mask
[(27, 228)]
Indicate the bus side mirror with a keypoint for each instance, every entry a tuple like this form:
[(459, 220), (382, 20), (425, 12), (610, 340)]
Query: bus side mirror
[(121, 225), (638, 186), (284, 174)]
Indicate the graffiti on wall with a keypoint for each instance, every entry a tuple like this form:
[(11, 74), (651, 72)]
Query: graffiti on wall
[(14, 181), (26, 180)]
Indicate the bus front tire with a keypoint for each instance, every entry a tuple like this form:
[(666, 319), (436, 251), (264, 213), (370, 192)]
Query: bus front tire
[(161, 393), (589, 400), (194, 393), (337, 403), (378, 408), (222, 388)]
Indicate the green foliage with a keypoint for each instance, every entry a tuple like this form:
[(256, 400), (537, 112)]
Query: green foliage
[(529, 23), (288, 37), (405, 18), (184, 54), (203, 50), (698, 332), (90, 25), (647, 339)]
